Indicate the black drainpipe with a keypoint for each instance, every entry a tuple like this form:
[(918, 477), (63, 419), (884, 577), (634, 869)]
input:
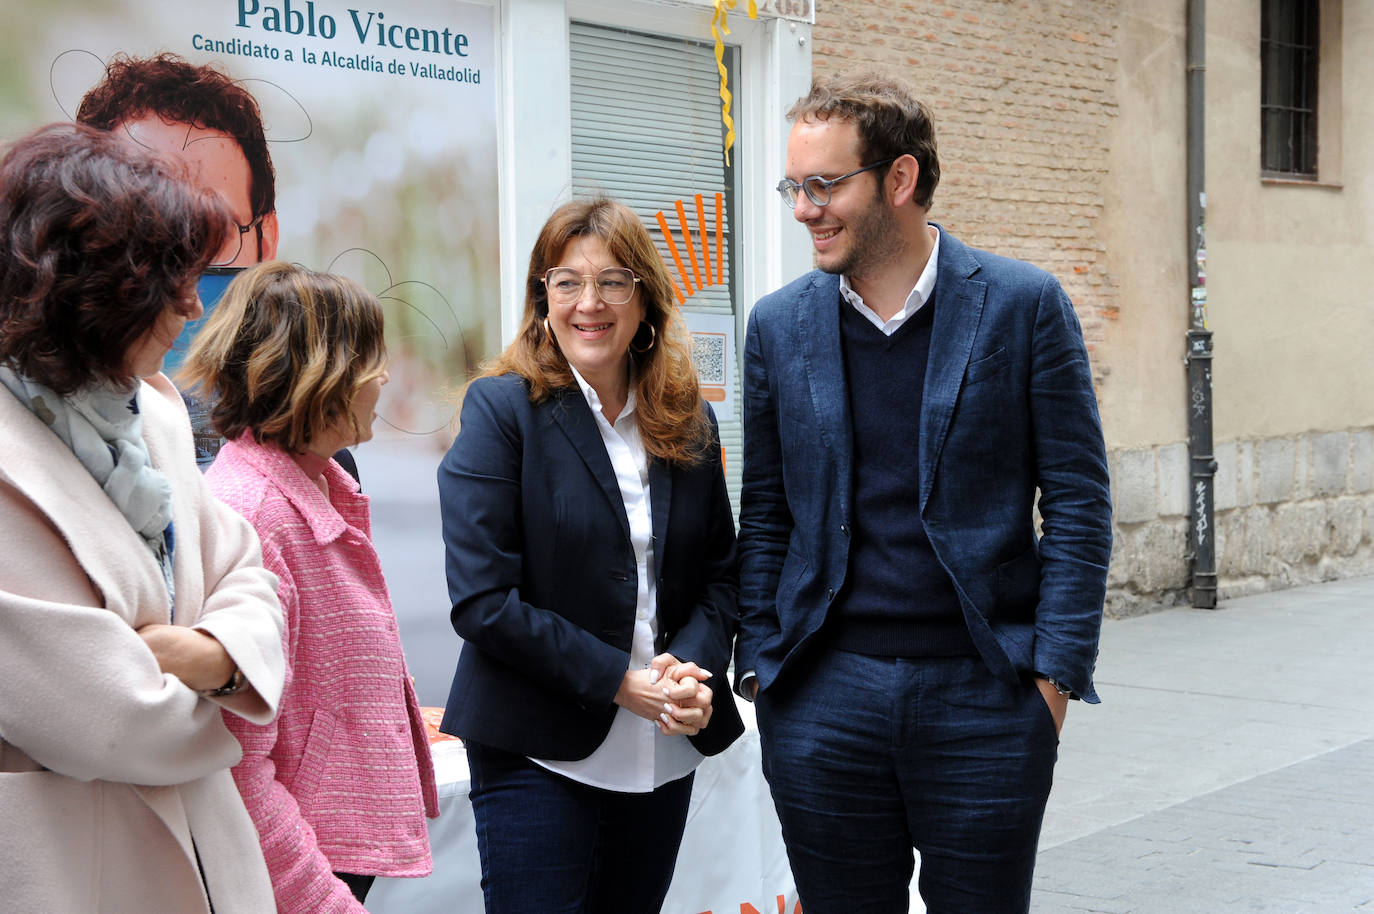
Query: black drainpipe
[(1202, 529)]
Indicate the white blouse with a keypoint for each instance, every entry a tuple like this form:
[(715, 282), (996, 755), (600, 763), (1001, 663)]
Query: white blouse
[(635, 757)]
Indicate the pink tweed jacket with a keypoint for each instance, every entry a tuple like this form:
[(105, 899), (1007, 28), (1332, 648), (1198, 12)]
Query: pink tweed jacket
[(342, 780)]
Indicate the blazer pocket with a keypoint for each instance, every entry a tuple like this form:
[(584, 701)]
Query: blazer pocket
[(315, 758), (987, 366)]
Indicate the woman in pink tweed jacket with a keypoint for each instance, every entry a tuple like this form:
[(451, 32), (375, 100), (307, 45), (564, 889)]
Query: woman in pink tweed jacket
[(340, 784)]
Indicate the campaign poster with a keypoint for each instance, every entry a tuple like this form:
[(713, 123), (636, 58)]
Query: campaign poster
[(381, 124)]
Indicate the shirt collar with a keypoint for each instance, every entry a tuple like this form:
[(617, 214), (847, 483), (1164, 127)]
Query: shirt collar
[(594, 401), (915, 301), (327, 517)]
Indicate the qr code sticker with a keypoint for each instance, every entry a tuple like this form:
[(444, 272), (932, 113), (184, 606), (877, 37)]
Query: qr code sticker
[(708, 354)]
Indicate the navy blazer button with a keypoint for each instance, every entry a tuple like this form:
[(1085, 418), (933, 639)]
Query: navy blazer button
[(844, 528), (830, 593)]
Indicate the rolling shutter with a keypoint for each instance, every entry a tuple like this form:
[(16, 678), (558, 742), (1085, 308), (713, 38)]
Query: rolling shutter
[(646, 130)]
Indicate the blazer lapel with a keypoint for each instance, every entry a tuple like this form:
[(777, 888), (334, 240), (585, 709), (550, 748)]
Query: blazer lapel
[(660, 500), (818, 330), (573, 415), (958, 311)]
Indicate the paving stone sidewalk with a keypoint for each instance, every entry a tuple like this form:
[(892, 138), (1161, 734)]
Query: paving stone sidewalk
[(1229, 768), (1295, 841)]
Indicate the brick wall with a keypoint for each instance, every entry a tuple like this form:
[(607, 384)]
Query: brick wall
[(1024, 95)]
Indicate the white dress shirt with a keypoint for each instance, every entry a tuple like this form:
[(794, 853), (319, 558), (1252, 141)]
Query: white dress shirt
[(635, 757), (920, 294)]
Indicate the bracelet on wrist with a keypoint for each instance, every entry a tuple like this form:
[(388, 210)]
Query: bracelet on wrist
[(232, 687)]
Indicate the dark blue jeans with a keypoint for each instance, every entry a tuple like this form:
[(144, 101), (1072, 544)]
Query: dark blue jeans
[(868, 757), (553, 846)]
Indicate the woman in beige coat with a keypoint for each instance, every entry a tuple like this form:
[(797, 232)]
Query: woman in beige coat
[(133, 606)]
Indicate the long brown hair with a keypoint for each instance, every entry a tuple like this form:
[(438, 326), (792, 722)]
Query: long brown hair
[(672, 419)]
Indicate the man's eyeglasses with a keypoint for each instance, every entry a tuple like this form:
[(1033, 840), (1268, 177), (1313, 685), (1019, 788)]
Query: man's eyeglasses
[(818, 188), (614, 285), (230, 252)]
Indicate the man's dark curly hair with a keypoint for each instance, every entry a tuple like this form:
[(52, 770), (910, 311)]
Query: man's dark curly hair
[(98, 237), (182, 92)]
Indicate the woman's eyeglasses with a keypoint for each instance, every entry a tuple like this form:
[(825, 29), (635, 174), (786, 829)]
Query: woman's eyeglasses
[(614, 285)]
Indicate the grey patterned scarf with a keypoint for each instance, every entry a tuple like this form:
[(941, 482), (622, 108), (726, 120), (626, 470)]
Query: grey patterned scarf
[(102, 426)]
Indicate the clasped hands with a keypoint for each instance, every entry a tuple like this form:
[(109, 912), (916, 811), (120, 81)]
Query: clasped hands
[(670, 693)]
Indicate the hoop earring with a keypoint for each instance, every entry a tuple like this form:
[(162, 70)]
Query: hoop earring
[(548, 332), (653, 338)]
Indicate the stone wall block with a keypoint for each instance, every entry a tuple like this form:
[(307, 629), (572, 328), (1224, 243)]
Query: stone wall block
[(1362, 461), (1175, 480), (1330, 463), (1160, 556), (1290, 536), (1276, 460), (1134, 486), (1255, 558), (1302, 449), (1224, 486), (1345, 525), (1132, 545), (1245, 474), (1230, 542), (1152, 553), (1312, 528)]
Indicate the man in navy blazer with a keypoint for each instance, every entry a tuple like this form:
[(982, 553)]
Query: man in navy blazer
[(910, 641)]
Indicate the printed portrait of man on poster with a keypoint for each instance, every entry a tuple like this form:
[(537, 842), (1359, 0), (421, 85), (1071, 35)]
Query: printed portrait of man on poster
[(380, 153)]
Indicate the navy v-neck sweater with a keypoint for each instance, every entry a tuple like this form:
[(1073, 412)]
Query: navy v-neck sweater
[(898, 600)]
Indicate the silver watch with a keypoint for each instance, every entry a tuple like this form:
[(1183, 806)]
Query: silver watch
[(1058, 686)]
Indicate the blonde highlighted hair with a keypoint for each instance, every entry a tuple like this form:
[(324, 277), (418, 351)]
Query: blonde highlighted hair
[(671, 416), (284, 354)]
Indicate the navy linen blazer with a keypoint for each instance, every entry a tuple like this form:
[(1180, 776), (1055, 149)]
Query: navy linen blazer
[(542, 576), (1008, 408)]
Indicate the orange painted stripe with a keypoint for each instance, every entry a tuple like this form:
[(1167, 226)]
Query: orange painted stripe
[(687, 243), (705, 241), (720, 248), (672, 247), (677, 293)]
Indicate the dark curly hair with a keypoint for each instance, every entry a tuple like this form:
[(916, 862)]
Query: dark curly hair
[(890, 119), (98, 236), (182, 92)]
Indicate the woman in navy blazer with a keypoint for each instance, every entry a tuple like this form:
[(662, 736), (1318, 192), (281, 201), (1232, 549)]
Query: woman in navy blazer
[(591, 567)]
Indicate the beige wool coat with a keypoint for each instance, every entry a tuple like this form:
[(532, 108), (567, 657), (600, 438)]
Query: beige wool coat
[(114, 778)]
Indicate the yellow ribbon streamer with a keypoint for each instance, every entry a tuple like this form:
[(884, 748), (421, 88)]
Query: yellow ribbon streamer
[(719, 30)]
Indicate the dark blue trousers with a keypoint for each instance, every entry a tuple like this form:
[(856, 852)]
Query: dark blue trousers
[(868, 757), (553, 846)]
